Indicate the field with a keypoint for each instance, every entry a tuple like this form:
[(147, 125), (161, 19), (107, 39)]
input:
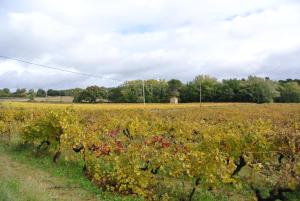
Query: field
[(180, 152), (49, 99)]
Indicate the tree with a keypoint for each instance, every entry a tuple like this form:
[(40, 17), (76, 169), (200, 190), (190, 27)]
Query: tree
[(85, 96), (189, 93), (174, 87), (156, 91), (99, 92), (20, 92), (261, 90), (115, 95), (209, 87), (72, 92), (231, 91), (132, 91), (52, 92), (290, 80), (4, 92), (31, 94), (289, 92), (41, 93)]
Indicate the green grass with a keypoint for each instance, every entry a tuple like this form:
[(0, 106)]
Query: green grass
[(12, 190), (70, 171)]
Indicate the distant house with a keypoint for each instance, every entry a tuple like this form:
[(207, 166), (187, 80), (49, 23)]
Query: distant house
[(174, 100)]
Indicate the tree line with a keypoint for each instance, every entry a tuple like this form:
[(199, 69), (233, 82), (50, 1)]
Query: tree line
[(252, 89)]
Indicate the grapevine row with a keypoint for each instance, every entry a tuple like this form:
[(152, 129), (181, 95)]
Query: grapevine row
[(170, 154)]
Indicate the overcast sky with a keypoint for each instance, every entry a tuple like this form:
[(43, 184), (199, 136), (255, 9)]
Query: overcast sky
[(144, 39)]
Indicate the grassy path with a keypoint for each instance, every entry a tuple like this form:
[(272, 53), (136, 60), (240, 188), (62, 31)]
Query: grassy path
[(25, 177), (20, 182)]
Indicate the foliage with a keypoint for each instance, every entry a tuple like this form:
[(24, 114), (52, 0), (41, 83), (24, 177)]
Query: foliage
[(85, 96), (289, 92), (41, 93), (253, 89), (174, 154), (98, 92), (51, 131), (174, 87), (20, 92), (91, 94), (261, 90), (4, 92)]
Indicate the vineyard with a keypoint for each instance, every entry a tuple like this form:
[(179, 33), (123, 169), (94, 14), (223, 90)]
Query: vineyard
[(168, 152)]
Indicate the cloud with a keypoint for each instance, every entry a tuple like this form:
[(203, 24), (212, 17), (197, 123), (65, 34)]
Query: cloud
[(287, 64), (147, 39)]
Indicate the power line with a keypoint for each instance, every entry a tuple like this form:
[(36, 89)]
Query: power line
[(69, 71), (59, 69)]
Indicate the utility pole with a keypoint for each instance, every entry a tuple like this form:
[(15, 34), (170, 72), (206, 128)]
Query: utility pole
[(200, 93), (144, 99), (60, 96)]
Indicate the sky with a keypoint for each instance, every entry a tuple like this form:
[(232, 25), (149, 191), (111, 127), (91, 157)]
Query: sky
[(120, 40)]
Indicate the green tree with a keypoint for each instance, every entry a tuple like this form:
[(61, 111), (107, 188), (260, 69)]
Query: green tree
[(6, 90), (99, 92), (289, 92), (174, 87), (115, 95), (189, 93), (4, 93), (52, 92), (85, 96), (41, 93), (209, 87), (156, 91), (132, 91), (20, 93), (230, 91), (72, 92), (261, 90), (31, 94)]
